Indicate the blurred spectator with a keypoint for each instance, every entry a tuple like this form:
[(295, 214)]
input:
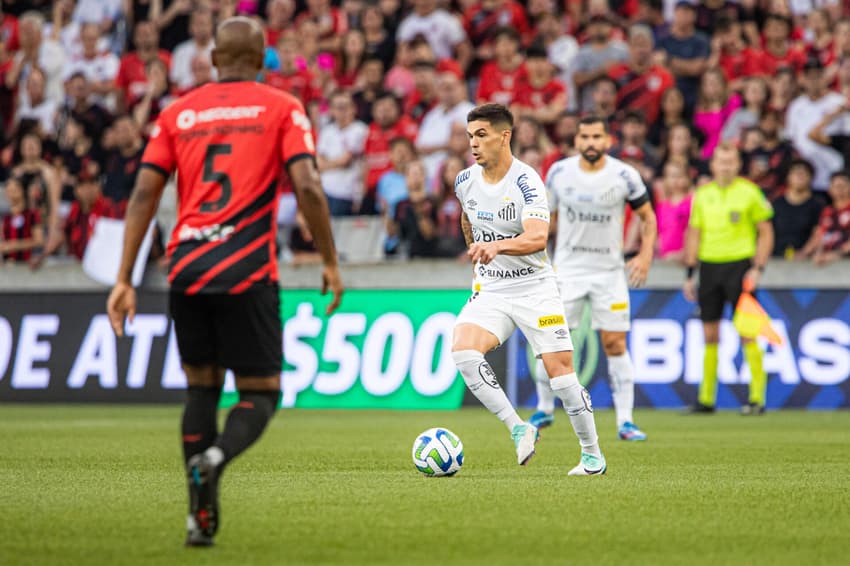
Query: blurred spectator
[(673, 209), (483, 16), (435, 131), (351, 57), (156, 99), (528, 133), (708, 12), (22, 225), (80, 103), (542, 97), (42, 187), (714, 106), (730, 52), (88, 206), (9, 30), (680, 148), (379, 41), (501, 77), (78, 155), (99, 67), (604, 101), (820, 41), (641, 83), (388, 125), (442, 30), (633, 137), (766, 164), (331, 23), (783, 89), (532, 156), (595, 59), (132, 82), (779, 51), (796, 214), (202, 73), (399, 79), (561, 48), (65, 30), (564, 134), (672, 113), (339, 154), (417, 215), (840, 142), (833, 235), (172, 22), (459, 143), (201, 42), (392, 189), (804, 113), (123, 160), (686, 51), (37, 106), (424, 96), (748, 115), (301, 244), (279, 15), (293, 76), (451, 242), (370, 84), (35, 51)]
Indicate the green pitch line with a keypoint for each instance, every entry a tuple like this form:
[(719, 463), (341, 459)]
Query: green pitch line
[(103, 485)]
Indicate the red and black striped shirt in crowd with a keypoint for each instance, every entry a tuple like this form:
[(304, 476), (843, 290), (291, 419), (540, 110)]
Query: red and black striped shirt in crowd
[(229, 142), (20, 227), (79, 226)]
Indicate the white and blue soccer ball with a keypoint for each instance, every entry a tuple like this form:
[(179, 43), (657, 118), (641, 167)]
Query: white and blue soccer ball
[(438, 452)]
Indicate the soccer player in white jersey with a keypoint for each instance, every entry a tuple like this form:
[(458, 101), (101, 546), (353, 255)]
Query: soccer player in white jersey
[(588, 193), (506, 224)]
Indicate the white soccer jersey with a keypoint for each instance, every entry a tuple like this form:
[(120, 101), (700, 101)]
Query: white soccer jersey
[(496, 212), (590, 210)]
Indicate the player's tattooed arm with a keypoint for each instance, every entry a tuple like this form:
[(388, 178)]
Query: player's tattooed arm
[(467, 229)]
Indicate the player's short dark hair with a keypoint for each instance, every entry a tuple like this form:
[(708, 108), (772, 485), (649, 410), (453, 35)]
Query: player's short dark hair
[(800, 162), (495, 114), (591, 119), (842, 173)]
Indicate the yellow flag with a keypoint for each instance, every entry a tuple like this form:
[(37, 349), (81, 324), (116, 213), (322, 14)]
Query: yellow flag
[(751, 321)]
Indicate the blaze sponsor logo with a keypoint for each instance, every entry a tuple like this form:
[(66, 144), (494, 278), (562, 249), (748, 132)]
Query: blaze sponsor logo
[(528, 192), (619, 306), (482, 236), (462, 176), (589, 217), (485, 216), (550, 320), (485, 271), (189, 118)]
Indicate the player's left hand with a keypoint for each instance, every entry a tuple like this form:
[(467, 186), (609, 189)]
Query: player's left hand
[(121, 303), (751, 280), (638, 267), (333, 282), (483, 253)]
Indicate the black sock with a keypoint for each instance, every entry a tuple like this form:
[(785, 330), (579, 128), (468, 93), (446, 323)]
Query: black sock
[(246, 421), (200, 427)]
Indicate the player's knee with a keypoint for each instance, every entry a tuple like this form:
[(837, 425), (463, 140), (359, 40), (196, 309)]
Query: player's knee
[(558, 364), (265, 402), (614, 345)]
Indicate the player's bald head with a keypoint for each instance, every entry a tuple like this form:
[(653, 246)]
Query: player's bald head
[(239, 46)]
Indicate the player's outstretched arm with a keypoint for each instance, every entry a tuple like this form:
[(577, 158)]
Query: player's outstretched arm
[(140, 210), (314, 206)]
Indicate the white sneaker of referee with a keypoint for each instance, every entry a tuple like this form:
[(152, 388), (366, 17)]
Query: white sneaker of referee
[(588, 193), (506, 224)]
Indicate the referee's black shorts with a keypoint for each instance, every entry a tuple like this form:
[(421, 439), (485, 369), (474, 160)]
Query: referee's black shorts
[(240, 332), (720, 283)]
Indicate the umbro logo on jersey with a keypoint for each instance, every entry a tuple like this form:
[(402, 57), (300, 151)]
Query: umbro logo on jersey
[(471, 203), (508, 212)]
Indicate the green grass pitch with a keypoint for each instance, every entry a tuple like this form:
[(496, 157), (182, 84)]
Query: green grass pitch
[(103, 485)]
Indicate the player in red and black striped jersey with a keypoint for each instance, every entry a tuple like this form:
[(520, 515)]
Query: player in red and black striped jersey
[(229, 142)]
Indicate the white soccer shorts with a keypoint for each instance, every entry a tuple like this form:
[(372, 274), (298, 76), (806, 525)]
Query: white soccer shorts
[(539, 316), (608, 293)]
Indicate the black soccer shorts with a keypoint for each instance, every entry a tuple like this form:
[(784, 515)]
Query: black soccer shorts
[(243, 332), (720, 283)]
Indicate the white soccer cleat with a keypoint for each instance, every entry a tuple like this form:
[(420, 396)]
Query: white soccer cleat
[(590, 465), (525, 437)]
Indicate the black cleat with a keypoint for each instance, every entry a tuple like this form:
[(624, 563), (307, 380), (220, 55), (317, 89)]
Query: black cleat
[(700, 409), (202, 478), (751, 409)]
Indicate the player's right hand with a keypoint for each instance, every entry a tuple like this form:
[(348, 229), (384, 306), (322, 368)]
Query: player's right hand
[(331, 280), (690, 289), (121, 303)]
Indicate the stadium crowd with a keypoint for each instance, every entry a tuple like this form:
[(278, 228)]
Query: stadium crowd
[(388, 85)]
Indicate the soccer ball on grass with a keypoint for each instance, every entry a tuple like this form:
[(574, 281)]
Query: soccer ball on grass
[(438, 452)]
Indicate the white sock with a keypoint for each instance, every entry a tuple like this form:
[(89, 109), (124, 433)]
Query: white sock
[(622, 386), (577, 404), (481, 380), (215, 455), (545, 395)]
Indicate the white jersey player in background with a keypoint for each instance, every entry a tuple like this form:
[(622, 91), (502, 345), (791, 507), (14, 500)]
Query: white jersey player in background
[(588, 193), (506, 225)]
